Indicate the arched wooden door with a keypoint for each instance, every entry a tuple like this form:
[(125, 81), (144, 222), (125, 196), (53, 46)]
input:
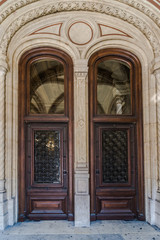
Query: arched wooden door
[(45, 135), (116, 142)]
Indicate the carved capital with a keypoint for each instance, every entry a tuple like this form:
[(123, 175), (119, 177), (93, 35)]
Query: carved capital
[(81, 70), (81, 76), (81, 66)]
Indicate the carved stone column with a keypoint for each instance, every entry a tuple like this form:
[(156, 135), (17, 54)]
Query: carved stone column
[(157, 76), (3, 205), (82, 199)]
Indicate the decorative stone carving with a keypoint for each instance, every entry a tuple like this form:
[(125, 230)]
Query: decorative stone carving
[(80, 6), (81, 114), (54, 29), (80, 33), (144, 9), (14, 7), (107, 30), (2, 128), (133, 3), (80, 119), (82, 215)]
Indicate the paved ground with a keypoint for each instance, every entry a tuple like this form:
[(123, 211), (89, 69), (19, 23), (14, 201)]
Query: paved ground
[(63, 230)]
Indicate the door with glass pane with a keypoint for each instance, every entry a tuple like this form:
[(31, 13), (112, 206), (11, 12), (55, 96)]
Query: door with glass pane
[(45, 135), (116, 150)]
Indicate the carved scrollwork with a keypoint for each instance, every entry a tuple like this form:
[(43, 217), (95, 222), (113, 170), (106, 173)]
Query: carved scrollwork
[(81, 6)]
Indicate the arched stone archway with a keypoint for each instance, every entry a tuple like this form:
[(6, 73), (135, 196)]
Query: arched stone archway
[(38, 24)]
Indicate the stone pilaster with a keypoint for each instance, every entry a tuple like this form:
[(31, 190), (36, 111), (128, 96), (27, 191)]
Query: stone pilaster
[(157, 76), (3, 205), (82, 199)]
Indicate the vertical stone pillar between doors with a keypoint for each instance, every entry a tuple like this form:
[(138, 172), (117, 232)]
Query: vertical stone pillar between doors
[(3, 196), (82, 198), (157, 76)]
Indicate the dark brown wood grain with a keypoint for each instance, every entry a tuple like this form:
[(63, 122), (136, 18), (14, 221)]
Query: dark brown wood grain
[(117, 201), (44, 201)]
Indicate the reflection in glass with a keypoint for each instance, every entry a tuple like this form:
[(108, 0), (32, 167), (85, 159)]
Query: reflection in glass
[(113, 88), (46, 87), (46, 156)]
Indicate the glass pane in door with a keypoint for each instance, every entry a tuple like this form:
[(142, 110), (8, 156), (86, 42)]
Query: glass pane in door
[(114, 156), (47, 87), (113, 88), (47, 157)]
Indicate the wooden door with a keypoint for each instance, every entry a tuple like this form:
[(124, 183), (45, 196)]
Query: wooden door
[(116, 149), (45, 135)]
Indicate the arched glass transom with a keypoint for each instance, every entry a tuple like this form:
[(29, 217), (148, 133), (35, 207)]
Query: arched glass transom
[(46, 87), (113, 88)]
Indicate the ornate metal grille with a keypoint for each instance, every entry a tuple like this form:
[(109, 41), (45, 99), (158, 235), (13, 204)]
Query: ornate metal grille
[(46, 156), (114, 156)]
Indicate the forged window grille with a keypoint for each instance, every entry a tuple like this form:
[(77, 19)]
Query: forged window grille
[(115, 156), (47, 156)]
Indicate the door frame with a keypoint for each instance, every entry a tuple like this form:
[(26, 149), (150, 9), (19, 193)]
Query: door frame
[(23, 119), (131, 59)]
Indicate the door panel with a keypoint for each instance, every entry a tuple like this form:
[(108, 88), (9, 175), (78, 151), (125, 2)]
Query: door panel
[(45, 135), (115, 170), (116, 142), (47, 170)]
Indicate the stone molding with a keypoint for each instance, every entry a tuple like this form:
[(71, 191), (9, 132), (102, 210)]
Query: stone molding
[(144, 9), (133, 3), (157, 76), (14, 7), (3, 71), (105, 8), (81, 98)]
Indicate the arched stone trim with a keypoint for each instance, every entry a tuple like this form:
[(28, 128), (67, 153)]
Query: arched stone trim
[(80, 6), (17, 53), (135, 4)]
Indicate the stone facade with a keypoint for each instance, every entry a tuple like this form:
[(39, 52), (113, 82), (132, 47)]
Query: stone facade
[(80, 28)]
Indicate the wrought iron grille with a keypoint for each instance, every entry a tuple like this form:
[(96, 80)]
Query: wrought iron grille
[(47, 156), (114, 156)]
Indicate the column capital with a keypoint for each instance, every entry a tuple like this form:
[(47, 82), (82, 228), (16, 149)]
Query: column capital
[(81, 66)]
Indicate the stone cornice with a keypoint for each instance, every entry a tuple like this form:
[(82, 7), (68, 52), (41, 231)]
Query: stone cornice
[(105, 8)]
